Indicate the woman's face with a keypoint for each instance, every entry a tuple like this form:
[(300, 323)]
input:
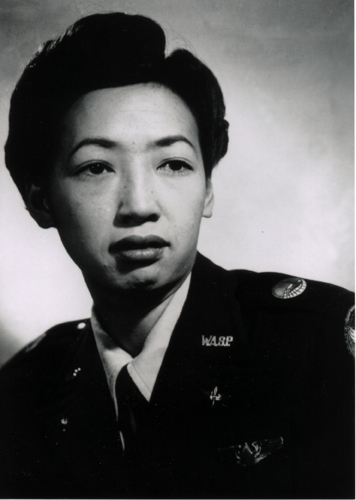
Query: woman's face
[(128, 189)]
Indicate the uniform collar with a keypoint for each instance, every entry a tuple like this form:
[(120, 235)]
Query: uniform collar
[(144, 368)]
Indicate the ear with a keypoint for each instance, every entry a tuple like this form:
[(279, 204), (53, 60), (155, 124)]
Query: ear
[(38, 206), (209, 199)]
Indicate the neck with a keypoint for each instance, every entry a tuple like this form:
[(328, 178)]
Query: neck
[(129, 317)]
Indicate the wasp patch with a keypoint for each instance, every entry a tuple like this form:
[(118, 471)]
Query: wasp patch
[(216, 341)]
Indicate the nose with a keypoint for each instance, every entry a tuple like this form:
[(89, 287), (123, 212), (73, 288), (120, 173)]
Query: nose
[(137, 201)]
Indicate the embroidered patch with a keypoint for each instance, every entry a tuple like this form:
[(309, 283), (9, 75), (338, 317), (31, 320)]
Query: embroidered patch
[(216, 341), (289, 288), (349, 330)]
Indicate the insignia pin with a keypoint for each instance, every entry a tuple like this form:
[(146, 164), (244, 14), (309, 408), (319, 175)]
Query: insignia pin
[(64, 422), (76, 371), (289, 288), (214, 396)]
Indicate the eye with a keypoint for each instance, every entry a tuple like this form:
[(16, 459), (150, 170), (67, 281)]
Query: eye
[(97, 168), (94, 169), (175, 166)]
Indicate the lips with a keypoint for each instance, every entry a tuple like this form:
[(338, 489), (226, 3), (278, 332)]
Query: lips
[(139, 248)]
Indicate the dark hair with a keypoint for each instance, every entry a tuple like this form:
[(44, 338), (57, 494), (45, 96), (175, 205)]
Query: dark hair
[(104, 51)]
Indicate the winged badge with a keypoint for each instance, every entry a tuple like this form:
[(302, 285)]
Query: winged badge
[(247, 454), (251, 455)]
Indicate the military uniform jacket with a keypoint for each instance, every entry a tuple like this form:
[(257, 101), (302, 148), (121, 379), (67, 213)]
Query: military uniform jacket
[(254, 399)]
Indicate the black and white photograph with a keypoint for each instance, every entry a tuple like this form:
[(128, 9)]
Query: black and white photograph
[(177, 277)]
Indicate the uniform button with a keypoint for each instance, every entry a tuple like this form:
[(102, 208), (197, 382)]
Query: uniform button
[(81, 325)]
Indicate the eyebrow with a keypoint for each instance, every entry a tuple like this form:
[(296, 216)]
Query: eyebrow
[(93, 141), (109, 144), (170, 140)]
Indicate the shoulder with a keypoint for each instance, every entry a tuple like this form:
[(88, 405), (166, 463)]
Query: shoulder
[(282, 290), (278, 309), (317, 314), (276, 293), (275, 290), (46, 354)]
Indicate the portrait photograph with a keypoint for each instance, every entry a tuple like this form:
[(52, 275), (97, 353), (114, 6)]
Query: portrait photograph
[(177, 249)]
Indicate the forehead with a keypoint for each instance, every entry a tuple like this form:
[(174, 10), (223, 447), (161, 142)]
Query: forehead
[(139, 113)]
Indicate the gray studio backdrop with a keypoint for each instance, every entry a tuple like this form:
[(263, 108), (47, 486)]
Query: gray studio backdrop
[(284, 192)]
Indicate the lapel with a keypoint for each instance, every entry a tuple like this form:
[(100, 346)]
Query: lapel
[(78, 415)]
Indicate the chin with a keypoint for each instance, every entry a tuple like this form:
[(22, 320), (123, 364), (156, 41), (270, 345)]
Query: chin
[(152, 283), (140, 283), (144, 278)]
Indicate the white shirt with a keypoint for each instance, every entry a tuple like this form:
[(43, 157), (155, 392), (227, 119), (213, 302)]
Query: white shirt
[(144, 368)]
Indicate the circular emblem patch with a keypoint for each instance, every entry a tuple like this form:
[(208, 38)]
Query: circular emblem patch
[(350, 330), (289, 288)]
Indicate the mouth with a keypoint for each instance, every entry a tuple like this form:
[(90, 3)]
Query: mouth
[(139, 248)]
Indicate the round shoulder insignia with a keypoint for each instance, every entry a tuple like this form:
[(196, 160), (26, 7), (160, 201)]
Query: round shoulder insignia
[(350, 330), (289, 288)]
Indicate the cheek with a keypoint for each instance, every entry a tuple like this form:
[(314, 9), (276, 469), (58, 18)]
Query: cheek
[(187, 208), (79, 217)]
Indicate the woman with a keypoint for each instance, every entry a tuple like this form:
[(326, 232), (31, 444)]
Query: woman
[(188, 380)]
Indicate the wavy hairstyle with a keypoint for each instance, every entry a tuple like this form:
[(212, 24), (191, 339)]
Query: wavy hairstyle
[(104, 51)]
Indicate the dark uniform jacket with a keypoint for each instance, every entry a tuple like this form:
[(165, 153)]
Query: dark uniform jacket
[(254, 399)]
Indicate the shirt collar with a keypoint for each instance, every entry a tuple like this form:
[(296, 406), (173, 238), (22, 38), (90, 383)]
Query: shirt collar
[(144, 368)]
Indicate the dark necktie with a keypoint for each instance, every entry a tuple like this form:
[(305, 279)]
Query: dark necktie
[(133, 408)]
